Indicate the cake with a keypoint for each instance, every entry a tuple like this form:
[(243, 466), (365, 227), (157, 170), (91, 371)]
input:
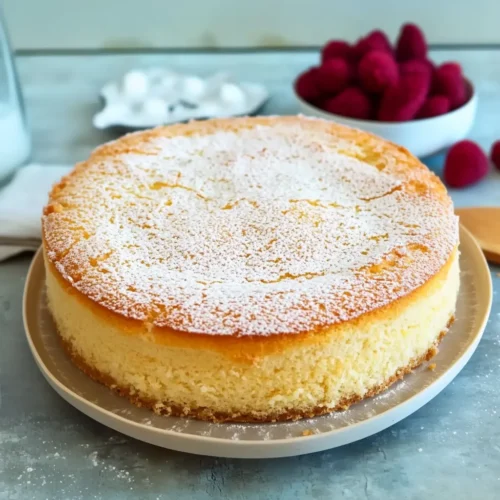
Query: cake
[(250, 269)]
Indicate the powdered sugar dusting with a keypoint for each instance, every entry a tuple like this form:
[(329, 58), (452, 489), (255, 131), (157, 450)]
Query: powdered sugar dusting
[(275, 228)]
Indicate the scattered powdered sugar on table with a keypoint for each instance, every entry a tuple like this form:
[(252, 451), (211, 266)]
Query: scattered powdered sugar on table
[(93, 458), (259, 231), (96, 461)]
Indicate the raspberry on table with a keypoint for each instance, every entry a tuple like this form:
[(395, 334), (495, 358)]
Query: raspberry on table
[(465, 164), (495, 154)]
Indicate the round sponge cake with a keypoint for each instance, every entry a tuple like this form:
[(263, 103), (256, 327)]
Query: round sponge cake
[(252, 269)]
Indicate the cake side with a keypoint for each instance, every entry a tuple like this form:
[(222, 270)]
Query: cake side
[(310, 375)]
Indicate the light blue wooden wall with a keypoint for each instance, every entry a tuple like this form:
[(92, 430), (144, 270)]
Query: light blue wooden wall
[(236, 23)]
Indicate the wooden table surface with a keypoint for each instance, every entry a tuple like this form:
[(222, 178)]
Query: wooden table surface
[(448, 449)]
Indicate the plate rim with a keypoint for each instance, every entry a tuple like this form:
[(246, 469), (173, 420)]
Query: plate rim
[(281, 447)]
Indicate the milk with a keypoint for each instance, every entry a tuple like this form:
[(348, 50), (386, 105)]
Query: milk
[(15, 144)]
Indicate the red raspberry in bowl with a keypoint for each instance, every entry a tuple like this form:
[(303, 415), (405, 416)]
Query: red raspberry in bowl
[(333, 75), (377, 71), (307, 87), (411, 43), (465, 164), (336, 48), (434, 106), (422, 66), (495, 154), (402, 101), (351, 102), (451, 66), (375, 40), (449, 81)]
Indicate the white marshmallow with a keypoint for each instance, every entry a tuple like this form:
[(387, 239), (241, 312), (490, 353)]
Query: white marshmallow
[(231, 94), (193, 88), (135, 86), (158, 96), (156, 109)]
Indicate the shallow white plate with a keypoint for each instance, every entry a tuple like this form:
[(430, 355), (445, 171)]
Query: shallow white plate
[(264, 440)]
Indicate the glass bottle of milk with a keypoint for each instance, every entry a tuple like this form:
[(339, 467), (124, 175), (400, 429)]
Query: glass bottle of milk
[(15, 142)]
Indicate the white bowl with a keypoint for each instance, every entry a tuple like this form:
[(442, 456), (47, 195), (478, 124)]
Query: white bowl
[(421, 137)]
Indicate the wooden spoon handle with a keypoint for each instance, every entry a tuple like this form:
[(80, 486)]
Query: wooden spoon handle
[(29, 243), (484, 224)]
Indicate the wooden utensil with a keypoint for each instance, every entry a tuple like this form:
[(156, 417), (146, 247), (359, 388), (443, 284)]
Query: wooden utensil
[(484, 224), (28, 243)]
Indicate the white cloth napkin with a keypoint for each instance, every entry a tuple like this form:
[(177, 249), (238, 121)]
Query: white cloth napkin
[(22, 201)]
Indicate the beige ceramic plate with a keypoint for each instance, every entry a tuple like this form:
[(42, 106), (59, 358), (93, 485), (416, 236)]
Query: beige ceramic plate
[(265, 440)]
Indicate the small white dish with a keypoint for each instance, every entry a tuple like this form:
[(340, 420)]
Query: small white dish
[(422, 137), (153, 97), (264, 440)]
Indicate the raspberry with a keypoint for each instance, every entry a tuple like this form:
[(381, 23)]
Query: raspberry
[(423, 66), (351, 102), (375, 40), (451, 66), (377, 71), (434, 106), (336, 48), (465, 164), (411, 43), (402, 101), (450, 82), (333, 75), (306, 85), (430, 64), (495, 154)]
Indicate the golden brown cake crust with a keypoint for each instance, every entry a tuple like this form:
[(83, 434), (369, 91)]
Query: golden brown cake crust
[(86, 228), (164, 408)]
